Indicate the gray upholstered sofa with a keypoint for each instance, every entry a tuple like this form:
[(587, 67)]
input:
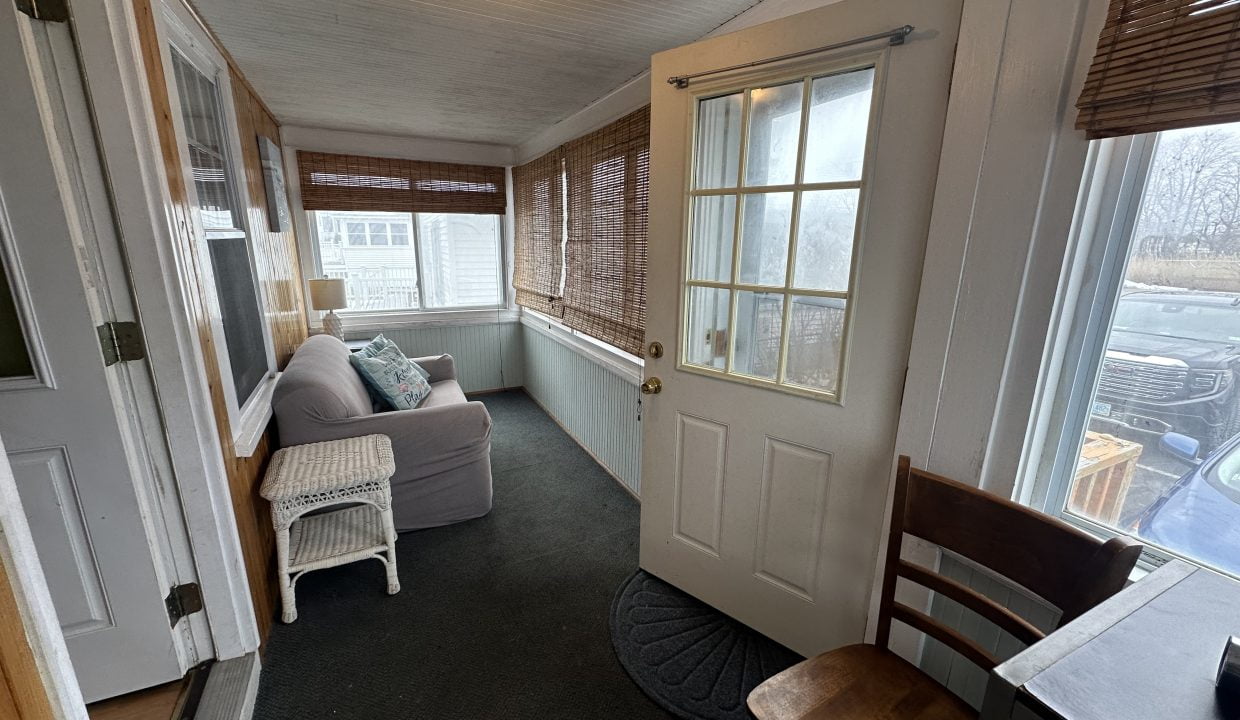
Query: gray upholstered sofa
[(442, 447)]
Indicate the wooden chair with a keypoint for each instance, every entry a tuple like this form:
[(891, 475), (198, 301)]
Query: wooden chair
[(1064, 566)]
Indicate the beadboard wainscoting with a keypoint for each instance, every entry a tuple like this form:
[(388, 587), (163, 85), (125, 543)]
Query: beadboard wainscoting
[(950, 669), (488, 356), (595, 399)]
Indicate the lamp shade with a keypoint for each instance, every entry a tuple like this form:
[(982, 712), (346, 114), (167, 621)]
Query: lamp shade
[(327, 294)]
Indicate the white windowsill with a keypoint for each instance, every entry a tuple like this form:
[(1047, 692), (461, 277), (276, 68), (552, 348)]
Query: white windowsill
[(365, 322), (620, 363), (249, 431)]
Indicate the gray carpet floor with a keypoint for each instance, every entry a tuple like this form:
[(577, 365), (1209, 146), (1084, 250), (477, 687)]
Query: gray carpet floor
[(501, 617)]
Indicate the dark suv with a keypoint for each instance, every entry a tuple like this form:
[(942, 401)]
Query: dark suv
[(1171, 365)]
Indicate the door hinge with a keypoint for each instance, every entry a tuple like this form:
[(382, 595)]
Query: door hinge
[(46, 10), (121, 342), (183, 600)]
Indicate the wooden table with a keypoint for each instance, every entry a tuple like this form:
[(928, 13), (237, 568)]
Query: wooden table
[(1151, 652)]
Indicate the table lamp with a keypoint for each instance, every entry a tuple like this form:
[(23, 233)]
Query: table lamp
[(328, 294)]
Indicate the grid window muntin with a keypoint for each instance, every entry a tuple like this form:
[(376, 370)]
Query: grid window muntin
[(740, 190)]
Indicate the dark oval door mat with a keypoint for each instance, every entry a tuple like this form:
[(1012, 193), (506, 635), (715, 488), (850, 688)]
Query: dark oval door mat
[(691, 659)]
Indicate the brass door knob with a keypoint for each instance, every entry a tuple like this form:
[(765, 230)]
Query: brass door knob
[(653, 386)]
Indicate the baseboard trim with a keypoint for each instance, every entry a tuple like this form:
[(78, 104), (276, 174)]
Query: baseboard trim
[(493, 391)]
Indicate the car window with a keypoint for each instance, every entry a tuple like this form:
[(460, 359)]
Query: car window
[(1226, 470), (1219, 323)]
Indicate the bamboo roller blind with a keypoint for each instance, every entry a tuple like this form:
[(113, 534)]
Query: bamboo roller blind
[(538, 197), (357, 182), (608, 175), (1163, 64)]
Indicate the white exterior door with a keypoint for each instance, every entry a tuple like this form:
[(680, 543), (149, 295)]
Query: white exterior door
[(75, 468), (789, 206)]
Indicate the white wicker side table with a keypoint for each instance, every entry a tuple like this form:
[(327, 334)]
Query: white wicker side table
[(310, 477)]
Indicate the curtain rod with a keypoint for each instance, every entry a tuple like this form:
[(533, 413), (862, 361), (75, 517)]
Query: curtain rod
[(894, 37)]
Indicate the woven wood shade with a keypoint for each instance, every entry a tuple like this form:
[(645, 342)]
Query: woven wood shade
[(1163, 64), (538, 196), (356, 182), (608, 184)]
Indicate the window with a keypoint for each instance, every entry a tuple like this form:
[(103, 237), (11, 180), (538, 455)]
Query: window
[(397, 261), (775, 195), (1149, 443), (241, 331)]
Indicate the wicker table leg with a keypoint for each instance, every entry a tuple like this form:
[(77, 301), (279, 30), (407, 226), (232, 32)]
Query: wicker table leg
[(389, 529), (288, 593)]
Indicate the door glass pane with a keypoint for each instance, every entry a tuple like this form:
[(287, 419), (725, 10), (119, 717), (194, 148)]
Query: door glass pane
[(759, 321), (714, 217), (768, 261), (765, 231), (825, 239), (815, 331), (377, 278), (209, 164), (460, 259), (839, 117), (774, 131), (1160, 455), (719, 141), (706, 336), (14, 357)]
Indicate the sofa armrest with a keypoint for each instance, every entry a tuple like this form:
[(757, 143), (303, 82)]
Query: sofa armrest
[(441, 367), (421, 437)]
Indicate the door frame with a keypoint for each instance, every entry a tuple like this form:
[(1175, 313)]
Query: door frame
[(109, 48)]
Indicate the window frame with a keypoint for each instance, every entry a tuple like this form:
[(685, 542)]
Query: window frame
[(1095, 265), (181, 32), (312, 266), (743, 82)]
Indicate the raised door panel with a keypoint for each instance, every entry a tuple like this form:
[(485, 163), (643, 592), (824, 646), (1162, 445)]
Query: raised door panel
[(701, 463), (792, 510), (49, 492)]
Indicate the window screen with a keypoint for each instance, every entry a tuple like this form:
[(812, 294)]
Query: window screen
[(238, 298)]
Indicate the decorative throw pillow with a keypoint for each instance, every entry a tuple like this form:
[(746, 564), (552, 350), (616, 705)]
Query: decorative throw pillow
[(379, 343), (394, 377)]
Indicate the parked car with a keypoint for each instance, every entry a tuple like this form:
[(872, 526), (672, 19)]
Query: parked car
[(1172, 364), (1199, 515)]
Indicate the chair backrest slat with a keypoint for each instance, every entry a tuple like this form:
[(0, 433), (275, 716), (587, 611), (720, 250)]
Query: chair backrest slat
[(1064, 566), (949, 636), (1019, 627)]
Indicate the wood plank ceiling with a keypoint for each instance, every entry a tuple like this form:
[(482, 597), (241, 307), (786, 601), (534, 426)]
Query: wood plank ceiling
[(495, 71)]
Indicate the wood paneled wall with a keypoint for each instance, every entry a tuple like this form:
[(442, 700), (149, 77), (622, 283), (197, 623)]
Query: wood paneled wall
[(279, 275)]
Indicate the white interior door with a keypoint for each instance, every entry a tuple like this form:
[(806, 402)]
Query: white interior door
[(789, 206), (73, 466)]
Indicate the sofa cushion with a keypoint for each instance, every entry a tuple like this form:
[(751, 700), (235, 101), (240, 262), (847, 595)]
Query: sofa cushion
[(393, 376), (445, 392)]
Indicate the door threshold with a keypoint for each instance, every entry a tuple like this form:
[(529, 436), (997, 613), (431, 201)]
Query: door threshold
[(229, 690)]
